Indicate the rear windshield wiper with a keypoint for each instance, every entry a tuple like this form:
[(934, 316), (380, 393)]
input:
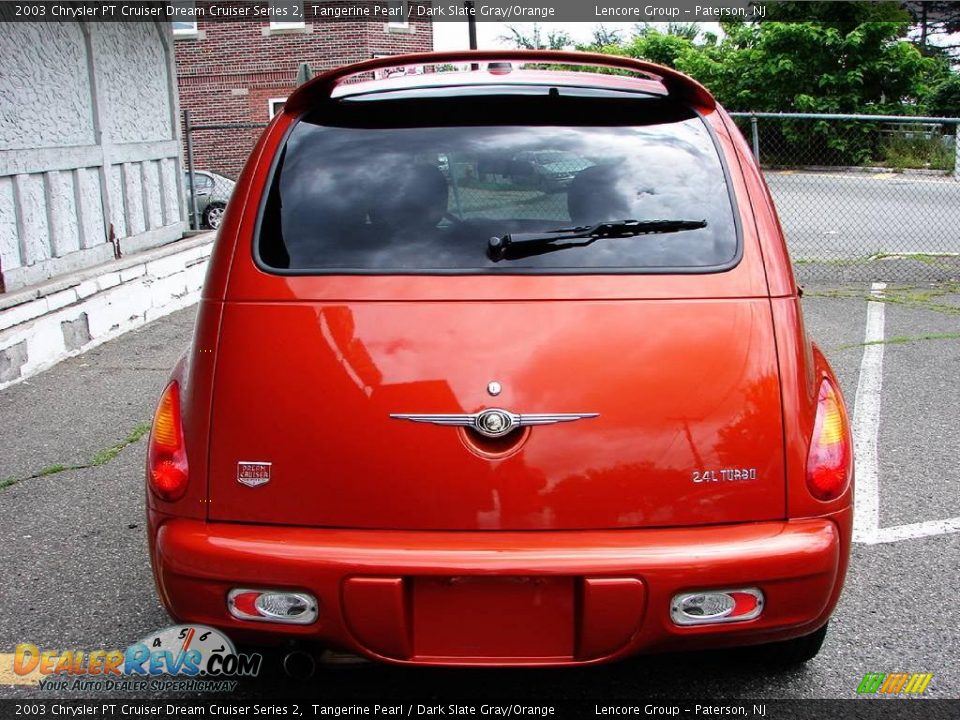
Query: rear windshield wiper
[(515, 246)]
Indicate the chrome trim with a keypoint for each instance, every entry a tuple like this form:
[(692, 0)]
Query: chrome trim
[(679, 616), (305, 618), (486, 421)]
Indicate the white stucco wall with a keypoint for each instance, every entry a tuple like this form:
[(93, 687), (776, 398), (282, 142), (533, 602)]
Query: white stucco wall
[(89, 145), (40, 59), (44, 324)]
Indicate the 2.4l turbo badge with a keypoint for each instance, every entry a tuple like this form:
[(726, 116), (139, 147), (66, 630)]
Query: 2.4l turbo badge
[(253, 474), (724, 475)]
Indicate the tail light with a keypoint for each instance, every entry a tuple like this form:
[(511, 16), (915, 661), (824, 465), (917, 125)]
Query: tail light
[(167, 458), (828, 464)]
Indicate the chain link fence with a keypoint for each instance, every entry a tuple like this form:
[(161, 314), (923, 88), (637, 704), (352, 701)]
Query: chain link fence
[(861, 198), (215, 155)]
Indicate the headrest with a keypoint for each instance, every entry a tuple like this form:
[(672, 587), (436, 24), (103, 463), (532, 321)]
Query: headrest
[(413, 197)]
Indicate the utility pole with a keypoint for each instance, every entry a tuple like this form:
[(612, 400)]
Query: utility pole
[(471, 28), (471, 23)]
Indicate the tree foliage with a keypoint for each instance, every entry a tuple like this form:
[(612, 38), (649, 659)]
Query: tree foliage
[(800, 66), (855, 58), (533, 38), (604, 36), (811, 57), (944, 99), (937, 24), (814, 67)]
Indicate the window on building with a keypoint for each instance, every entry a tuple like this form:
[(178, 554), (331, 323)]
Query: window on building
[(184, 27), (398, 14), (289, 14), (275, 105)]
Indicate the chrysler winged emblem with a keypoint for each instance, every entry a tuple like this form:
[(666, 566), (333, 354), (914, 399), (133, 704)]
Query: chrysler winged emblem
[(494, 422)]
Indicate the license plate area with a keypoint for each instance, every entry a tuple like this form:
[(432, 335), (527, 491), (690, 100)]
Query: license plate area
[(494, 617)]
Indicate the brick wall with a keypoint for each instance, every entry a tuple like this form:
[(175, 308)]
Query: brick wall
[(229, 72)]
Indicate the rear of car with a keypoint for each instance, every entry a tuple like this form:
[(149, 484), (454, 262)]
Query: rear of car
[(502, 368)]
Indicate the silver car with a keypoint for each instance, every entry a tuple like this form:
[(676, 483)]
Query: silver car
[(213, 192)]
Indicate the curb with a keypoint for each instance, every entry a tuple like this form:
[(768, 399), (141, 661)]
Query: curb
[(68, 316)]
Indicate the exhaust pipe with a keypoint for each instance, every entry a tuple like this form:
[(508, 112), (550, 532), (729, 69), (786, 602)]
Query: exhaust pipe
[(299, 665)]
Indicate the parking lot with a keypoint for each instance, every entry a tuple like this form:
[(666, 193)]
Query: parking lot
[(847, 215), (74, 571)]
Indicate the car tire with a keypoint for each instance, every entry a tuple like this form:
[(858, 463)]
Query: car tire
[(213, 215), (790, 653)]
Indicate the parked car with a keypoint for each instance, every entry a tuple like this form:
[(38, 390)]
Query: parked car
[(433, 428), (213, 192), (548, 170)]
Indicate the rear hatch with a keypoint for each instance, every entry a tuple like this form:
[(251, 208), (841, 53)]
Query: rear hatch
[(679, 395)]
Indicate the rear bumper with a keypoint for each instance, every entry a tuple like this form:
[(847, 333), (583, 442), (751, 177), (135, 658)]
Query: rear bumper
[(554, 598)]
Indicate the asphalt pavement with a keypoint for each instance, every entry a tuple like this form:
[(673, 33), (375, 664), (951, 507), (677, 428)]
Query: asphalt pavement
[(74, 571), (830, 215)]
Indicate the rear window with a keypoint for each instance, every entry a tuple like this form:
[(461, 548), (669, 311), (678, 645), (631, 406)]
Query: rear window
[(421, 184)]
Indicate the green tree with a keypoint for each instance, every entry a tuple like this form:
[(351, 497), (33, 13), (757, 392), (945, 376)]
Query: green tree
[(534, 38), (690, 31), (605, 37), (845, 16), (936, 24), (664, 48), (944, 99), (804, 57), (812, 57)]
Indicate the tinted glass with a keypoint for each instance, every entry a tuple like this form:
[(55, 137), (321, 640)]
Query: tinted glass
[(422, 185)]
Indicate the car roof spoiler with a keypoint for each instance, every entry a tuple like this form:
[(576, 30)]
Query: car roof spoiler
[(677, 85)]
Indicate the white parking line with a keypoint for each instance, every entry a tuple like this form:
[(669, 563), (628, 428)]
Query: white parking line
[(915, 530), (866, 426)]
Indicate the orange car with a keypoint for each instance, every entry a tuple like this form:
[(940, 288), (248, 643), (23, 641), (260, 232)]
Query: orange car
[(435, 413)]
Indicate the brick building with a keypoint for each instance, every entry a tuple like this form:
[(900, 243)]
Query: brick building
[(241, 72)]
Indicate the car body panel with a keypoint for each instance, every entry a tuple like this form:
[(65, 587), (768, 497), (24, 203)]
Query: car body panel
[(798, 563), (339, 459)]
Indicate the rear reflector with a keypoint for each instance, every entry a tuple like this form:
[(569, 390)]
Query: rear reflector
[(281, 606), (828, 463), (166, 455), (716, 606)]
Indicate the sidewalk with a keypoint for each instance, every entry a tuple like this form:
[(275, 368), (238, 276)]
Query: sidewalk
[(73, 559), (88, 404)]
